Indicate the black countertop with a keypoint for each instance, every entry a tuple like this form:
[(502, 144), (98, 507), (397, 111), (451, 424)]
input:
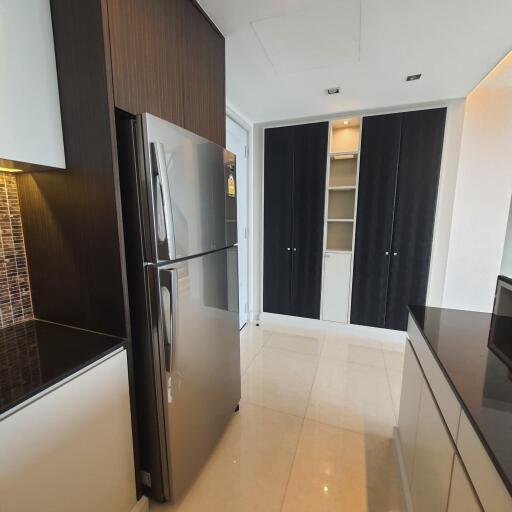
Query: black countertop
[(35, 355), (478, 372)]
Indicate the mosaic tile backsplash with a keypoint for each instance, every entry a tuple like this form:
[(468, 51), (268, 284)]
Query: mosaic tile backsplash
[(15, 299)]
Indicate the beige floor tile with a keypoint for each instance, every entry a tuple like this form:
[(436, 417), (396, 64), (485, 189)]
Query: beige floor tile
[(303, 344), (352, 396), (249, 469), (395, 384), (280, 379), (353, 350), (340, 470)]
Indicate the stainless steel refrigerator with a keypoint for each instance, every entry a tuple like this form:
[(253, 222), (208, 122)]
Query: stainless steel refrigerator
[(179, 217)]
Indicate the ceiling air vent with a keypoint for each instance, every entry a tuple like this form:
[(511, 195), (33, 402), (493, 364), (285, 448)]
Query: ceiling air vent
[(333, 90), (411, 78)]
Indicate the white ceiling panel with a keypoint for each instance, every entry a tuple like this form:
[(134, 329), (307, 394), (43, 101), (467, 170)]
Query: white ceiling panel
[(281, 55), (315, 37)]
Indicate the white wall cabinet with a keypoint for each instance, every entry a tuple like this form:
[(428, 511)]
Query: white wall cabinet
[(72, 449), (336, 287), (462, 496), (31, 128)]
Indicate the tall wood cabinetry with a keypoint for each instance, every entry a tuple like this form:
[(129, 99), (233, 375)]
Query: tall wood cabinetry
[(294, 188), (397, 192), (159, 56)]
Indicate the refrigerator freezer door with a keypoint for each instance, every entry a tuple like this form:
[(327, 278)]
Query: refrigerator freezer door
[(200, 338), (192, 189)]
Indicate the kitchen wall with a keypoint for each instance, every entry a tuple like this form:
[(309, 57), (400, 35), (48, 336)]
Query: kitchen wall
[(483, 191), (15, 298), (506, 261)]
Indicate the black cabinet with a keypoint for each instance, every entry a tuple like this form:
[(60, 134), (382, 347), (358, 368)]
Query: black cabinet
[(397, 192), (295, 165)]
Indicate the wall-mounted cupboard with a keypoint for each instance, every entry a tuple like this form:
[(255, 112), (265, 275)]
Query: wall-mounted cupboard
[(371, 197)]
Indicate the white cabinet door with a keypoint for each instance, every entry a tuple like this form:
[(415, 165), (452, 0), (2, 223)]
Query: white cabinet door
[(412, 382), (336, 287), (72, 449), (433, 458), (462, 496)]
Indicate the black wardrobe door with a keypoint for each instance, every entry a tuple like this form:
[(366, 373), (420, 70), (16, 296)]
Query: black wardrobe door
[(278, 185), (380, 146), (310, 160), (418, 178)]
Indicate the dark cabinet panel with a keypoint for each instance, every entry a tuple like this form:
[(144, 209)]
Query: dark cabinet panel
[(418, 178), (71, 219), (310, 159), (203, 61), (398, 182), (145, 38), (380, 146), (295, 165), (277, 223)]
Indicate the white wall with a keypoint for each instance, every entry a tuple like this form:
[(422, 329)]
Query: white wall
[(482, 197), (448, 177), (30, 127), (506, 261)]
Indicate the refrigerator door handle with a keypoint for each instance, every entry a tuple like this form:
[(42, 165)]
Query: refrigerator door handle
[(169, 313), (165, 239)]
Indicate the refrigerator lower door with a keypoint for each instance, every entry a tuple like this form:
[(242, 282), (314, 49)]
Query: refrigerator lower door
[(199, 322)]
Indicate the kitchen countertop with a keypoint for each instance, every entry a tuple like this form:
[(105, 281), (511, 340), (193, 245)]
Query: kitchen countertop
[(35, 355), (480, 376)]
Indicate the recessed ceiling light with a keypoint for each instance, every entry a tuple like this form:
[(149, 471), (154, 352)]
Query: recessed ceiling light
[(346, 123), (411, 78), (333, 90)]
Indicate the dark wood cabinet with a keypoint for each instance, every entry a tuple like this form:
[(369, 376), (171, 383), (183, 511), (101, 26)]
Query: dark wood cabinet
[(168, 59), (203, 61), (295, 165), (397, 193), (146, 38)]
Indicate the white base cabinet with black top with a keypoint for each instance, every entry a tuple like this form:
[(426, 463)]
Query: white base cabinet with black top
[(397, 192), (294, 188)]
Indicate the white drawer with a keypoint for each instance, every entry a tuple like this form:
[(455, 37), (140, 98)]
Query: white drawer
[(445, 397), (488, 484)]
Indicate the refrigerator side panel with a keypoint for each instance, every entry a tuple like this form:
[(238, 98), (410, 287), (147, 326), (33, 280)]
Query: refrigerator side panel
[(200, 320), (143, 288)]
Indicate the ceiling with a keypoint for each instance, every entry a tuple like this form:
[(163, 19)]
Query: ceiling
[(282, 55)]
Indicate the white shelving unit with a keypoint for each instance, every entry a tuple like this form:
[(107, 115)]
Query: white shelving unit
[(340, 213)]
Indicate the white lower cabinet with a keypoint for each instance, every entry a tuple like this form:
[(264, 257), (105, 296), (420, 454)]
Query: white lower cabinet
[(462, 496), (433, 458), (336, 287), (409, 409), (71, 450)]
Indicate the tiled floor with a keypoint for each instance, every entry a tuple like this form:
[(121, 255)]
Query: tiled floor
[(314, 428)]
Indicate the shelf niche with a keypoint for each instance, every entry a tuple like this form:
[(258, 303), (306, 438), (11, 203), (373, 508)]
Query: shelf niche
[(343, 172), (339, 236), (345, 135), (341, 204)]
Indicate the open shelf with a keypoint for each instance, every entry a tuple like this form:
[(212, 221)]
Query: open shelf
[(340, 220), (343, 173), (339, 236), (348, 187), (345, 135), (341, 204)]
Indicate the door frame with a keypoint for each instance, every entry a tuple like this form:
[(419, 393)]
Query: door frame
[(234, 117)]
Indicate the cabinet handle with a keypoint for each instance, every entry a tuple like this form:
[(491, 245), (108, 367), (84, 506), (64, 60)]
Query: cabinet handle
[(387, 253), (287, 248), (295, 249), (395, 254)]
